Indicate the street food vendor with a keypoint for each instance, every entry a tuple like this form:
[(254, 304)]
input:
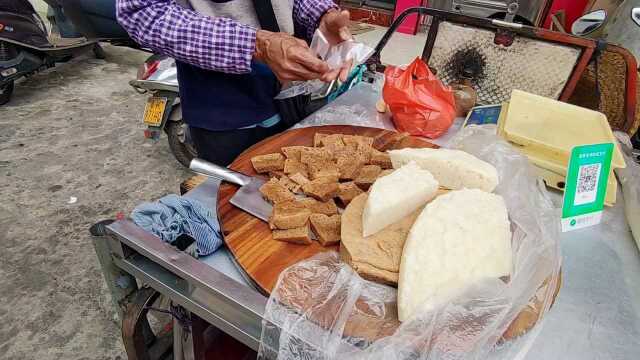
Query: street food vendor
[(229, 67)]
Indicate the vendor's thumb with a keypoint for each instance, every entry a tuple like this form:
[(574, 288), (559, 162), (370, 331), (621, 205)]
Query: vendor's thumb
[(342, 18), (341, 24)]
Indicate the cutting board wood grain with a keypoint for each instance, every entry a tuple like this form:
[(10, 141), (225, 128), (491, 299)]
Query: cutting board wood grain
[(248, 238)]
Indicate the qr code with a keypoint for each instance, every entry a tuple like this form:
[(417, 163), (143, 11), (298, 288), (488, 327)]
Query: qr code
[(588, 178)]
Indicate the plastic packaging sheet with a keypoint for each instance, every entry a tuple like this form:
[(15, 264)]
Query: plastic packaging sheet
[(355, 108), (354, 115), (335, 56), (321, 309)]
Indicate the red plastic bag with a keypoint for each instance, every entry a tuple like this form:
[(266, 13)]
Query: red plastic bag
[(420, 104)]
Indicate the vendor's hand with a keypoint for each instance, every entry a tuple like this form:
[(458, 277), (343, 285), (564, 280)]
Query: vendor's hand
[(289, 58), (334, 24), (340, 73)]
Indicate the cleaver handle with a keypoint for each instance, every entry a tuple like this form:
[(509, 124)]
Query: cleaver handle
[(218, 172)]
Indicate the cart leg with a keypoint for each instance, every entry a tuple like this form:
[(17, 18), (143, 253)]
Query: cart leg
[(211, 343), (198, 330), (121, 284)]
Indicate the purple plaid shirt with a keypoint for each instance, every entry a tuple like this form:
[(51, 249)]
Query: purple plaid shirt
[(219, 44)]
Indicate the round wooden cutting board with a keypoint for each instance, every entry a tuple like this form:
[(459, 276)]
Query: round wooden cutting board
[(248, 238)]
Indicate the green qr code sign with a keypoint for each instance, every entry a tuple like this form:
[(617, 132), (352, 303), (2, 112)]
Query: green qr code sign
[(589, 168)]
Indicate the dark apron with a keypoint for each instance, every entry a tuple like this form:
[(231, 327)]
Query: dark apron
[(217, 101)]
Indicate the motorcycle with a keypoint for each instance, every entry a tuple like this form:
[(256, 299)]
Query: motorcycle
[(158, 77), (28, 45)]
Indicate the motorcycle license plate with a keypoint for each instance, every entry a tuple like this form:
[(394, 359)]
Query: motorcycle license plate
[(154, 110)]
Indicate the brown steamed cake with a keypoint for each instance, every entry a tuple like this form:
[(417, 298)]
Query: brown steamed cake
[(376, 257), (275, 192), (268, 162), (289, 215), (295, 236), (326, 228)]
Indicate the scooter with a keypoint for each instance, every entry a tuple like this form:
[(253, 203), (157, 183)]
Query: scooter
[(28, 46), (76, 26), (158, 77)]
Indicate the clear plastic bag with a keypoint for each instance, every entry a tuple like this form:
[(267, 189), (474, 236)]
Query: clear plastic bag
[(321, 309), (335, 56)]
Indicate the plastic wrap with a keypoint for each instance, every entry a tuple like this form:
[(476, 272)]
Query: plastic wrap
[(355, 115), (321, 309), (345, 111)]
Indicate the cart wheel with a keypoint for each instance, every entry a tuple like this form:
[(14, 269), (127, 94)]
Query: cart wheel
[(5, 93), (99, 52), (137, 336)]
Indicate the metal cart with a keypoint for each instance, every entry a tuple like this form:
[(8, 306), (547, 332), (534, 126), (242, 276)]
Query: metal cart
[(596, 315)]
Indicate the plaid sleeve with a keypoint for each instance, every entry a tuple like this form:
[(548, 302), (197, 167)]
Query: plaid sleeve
[(307, 13), (165, 27)]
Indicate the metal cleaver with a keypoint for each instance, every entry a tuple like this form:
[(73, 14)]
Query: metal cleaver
[(248, 197)]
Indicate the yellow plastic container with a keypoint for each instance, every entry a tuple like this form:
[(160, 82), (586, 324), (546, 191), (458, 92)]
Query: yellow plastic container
[(547, 130)]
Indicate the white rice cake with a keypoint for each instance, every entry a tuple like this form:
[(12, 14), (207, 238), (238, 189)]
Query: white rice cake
[(395, 196), (460, 238), (454, 169)]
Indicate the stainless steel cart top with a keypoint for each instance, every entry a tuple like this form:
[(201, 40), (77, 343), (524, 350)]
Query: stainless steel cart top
[(596, 314)]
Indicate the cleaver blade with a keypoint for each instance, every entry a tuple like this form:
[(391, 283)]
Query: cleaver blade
[(248, 197)]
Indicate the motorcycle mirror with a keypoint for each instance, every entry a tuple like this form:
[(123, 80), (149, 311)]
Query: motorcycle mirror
[(589, 23), (635, 15)]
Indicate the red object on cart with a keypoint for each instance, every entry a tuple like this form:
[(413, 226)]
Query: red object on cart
[(420, 103), (573, 9), (410, 24)]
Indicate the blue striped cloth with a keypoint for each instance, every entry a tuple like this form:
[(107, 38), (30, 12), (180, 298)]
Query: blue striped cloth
[(174, 215)]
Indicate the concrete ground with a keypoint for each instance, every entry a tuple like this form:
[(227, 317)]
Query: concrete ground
[(75, 132), (72, 132)]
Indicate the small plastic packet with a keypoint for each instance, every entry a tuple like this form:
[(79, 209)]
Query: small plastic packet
[(336, 56)]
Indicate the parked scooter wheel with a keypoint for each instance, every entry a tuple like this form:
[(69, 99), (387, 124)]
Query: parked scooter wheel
[(5, 93), (181, 148)]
